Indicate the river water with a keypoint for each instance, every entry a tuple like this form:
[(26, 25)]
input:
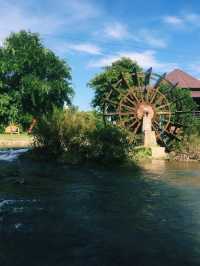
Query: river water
[(56, 215)]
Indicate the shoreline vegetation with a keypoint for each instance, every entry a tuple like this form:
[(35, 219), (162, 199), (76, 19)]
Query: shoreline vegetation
[(73, 137), (76, 137), (141, 154), (190, 151)]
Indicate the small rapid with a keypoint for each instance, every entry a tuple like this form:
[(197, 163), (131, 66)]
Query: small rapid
[(11, 154)]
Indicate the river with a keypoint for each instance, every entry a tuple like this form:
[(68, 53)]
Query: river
[(56, 215)]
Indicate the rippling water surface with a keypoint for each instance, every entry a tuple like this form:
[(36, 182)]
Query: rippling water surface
[(54, 215)]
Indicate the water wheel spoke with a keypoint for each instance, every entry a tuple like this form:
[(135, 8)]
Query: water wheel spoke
[(129, 100), (111, 114), (127, 85), (134, 76), (136, 81), (156, 132), (111, 101), (118, 82), (148, 95), (146, 83), (128, 107), (157, 124), (159, 100), (164, 113), (163, 106), (137, 127), (134, 95), (142, 95), (156, 87), (133, 124), (158, 136), (154, 96), (162, 124), (126, 113), (159, 81), (128, 119), (114, 88), (147, 76), (174, 123), (167, 131), (171, 134), (184, 112), (177, 100), (125, 81)]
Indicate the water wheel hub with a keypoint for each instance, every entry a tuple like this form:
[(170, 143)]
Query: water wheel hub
[(144, 108)]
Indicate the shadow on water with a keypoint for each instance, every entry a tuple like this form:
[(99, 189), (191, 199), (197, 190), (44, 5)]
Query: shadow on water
[(89, 216)]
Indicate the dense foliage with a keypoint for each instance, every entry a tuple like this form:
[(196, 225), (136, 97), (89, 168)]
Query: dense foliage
[(32, 79), (80, 137), (181, 100), (110, 75)]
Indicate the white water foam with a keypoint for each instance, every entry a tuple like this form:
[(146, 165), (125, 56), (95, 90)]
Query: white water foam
[(10, 155), (6, 202), (17, 205)]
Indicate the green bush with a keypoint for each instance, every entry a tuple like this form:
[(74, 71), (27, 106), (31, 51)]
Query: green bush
[(2, 129), (47, 133), (140, 153), (109, 145), (77, 128), (81, 137)]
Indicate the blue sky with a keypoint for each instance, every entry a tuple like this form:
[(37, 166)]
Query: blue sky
[(91, 34)]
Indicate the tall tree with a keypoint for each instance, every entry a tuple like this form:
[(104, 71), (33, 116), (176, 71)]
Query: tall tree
[(32, 78)]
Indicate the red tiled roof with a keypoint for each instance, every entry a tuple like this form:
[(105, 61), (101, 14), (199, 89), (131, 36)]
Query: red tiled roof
[(184, 80)]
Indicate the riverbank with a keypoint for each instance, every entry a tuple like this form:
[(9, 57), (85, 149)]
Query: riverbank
[(188, 150), (15, 141)]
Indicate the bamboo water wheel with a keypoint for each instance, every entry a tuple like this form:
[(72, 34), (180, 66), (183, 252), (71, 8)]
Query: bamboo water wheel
[(127, 105)]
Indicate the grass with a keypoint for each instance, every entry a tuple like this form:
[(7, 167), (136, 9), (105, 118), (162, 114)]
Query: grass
[(141, 153)]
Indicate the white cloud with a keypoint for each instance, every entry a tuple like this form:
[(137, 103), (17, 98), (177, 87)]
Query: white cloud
[(85, 48), (192, 19), (116, 30), (155, 42), (54, 19), (195, 67), (151, 39), (120, 31), (146, 59), (173, 20), (185, 20), (62, 47), (81, 9), (14, 18)]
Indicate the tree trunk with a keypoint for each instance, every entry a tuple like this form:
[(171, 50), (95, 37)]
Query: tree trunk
[(34, 121)]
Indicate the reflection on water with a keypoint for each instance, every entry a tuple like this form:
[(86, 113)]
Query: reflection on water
[(86, 216), (178, 173)]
